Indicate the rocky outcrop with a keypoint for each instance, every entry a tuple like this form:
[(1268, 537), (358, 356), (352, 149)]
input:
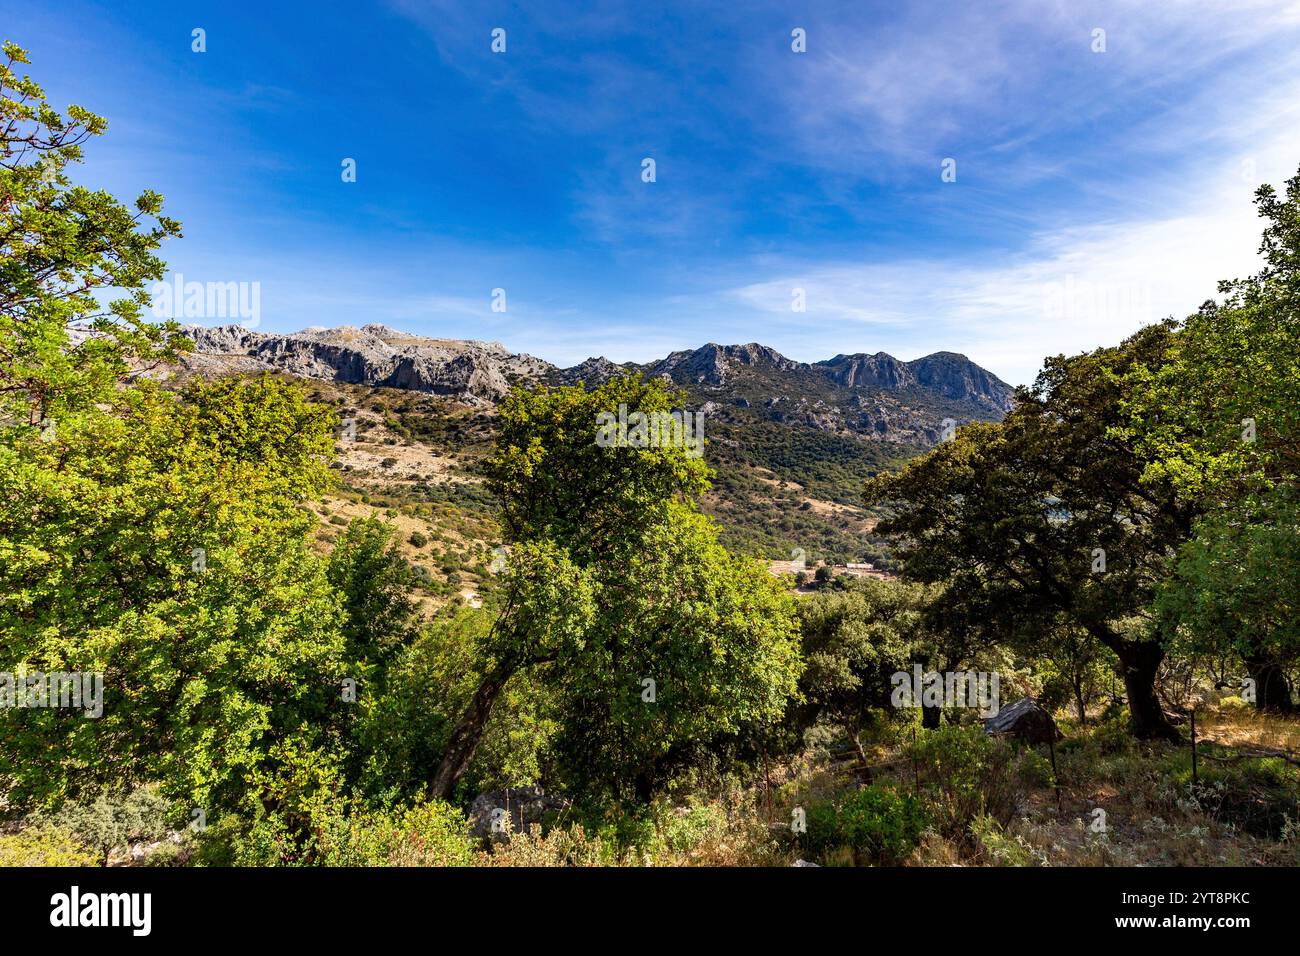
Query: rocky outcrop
[(874, 397), (1024, 720), (593, 372), (868, 371), (467, 370), (715, 364), (957, 377), (498, 813), (944, 373)]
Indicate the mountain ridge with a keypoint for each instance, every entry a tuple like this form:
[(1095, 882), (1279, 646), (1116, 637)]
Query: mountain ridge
[(789, 443), (476, 372)]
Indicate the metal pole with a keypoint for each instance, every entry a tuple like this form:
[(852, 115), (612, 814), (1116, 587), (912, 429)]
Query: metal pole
[(1194, 778), (916, 772), (1056, 781)]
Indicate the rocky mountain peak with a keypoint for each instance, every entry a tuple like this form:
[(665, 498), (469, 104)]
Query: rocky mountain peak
[(873, 394), (715, 364), (468, 370), (955, 376), (860, 370)]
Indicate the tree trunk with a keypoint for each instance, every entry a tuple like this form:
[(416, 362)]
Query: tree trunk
[(1140, 661), (857, 745), (465, 738), (1272, 689)]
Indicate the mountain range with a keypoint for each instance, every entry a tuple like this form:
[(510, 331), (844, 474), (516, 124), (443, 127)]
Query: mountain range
[(790, 443), (868, 396)]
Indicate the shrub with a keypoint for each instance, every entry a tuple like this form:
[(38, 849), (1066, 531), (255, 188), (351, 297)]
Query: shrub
[(876, 826), (235, 841), (1256, 796), (111, 821), (569, 846), (44, 844), (997, 847), (685, 830), (424, 834), (418, 539), (964, 774)]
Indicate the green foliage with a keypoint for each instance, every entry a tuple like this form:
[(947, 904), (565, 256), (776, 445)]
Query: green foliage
[(559, 846), (145, 546), (343, 834), (1231, 362), (1220, 423), (964, 773), (1074, 669), (853, 641), (666, 607), (999, 848), (554, 482), (373, 581), (401, 734), (265, 425), (44, 844), (713, 631), (1232, 589), (114, 821), (423, 834), (875, 825), (237, 840), (62, 246), (1014, 517)]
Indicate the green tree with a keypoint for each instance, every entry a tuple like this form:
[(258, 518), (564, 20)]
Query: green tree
[(693, 649), (1236, 590), (147, 547), (1073, 667), (374, 583), (853, 642), (661, 600), (1044, 518), (1219, 421), (61, 246), (544, 610), (152, 537), (402, 733)]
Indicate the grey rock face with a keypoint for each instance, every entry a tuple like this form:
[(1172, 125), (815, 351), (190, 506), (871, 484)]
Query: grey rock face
[(713, 364), (868, 371), (956, 376), (593, 372), (499, 812), (470, 371), (945, 373), (1025, 720), (875, 397)]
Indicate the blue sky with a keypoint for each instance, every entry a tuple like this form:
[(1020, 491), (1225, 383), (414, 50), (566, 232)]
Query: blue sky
[(1094, 191)]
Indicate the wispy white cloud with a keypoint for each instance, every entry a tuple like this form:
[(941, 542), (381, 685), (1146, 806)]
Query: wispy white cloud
[(1069, 290)]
